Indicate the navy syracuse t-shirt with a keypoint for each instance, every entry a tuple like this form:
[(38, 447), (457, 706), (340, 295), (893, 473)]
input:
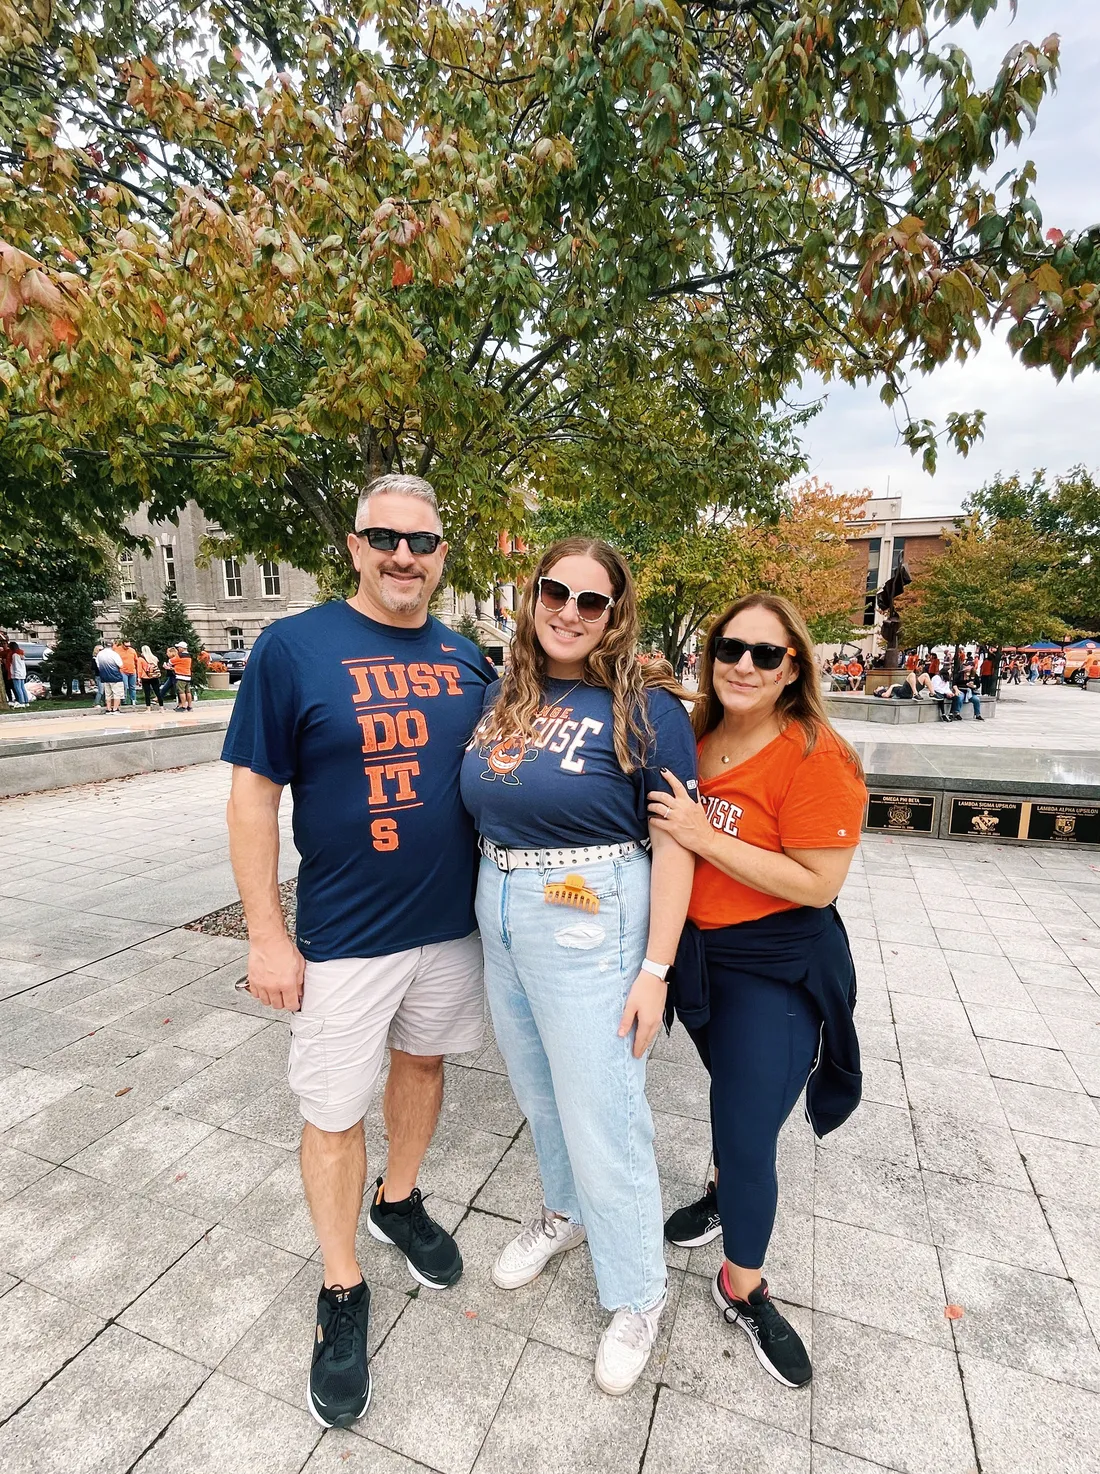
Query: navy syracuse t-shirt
[(565, 788), (367, 723)]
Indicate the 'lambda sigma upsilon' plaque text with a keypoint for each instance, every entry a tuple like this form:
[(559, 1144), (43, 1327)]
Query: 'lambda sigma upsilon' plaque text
[(902, 813), (986, 818), (1069, 823)]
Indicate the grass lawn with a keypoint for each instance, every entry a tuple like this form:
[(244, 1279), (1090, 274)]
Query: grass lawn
[(84, 703)]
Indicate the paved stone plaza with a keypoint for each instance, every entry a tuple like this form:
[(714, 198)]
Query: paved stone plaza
[(156, 1283)]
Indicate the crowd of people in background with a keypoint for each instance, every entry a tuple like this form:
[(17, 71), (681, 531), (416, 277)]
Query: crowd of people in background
[(119, 669), (120, 673)]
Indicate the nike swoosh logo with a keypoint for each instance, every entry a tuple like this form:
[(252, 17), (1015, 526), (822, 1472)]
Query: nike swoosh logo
[(450, 649)]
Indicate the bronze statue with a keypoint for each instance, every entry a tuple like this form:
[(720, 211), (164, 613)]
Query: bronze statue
[(891, 590)]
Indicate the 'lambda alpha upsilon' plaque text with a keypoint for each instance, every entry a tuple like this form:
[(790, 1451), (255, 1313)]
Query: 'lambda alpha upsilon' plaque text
[(1069, 823), (902, 813)]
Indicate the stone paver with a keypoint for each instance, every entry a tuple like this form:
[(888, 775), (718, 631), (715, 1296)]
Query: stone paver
[(158, 1267)]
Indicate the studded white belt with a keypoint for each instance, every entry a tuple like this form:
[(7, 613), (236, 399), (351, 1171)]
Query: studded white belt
[(505, 859)]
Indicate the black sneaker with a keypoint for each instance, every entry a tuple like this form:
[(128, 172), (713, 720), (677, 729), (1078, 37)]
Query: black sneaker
[(339, 1386), (697, 1224), (777, 1344), (430, 1252)]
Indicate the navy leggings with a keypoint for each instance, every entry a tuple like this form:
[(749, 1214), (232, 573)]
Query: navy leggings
[(759, 1047)]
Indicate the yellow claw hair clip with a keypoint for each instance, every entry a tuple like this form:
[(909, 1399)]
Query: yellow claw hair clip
[(572, 891)]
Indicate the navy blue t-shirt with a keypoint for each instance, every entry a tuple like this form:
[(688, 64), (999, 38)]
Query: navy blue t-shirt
[(566, 788), (367, 723)]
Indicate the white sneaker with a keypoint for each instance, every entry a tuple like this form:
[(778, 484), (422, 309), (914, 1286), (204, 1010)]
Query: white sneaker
[(531, 1250), (625, 1348)]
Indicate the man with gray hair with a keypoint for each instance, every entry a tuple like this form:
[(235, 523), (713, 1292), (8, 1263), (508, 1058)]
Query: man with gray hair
[(364, 707)]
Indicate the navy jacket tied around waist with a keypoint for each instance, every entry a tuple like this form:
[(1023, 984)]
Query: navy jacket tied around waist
[(808, 946)]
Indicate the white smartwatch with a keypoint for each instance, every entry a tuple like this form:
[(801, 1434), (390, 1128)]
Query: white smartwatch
[(658, 969)]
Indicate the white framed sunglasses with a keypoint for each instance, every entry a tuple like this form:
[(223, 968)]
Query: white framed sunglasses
[(591, 606)]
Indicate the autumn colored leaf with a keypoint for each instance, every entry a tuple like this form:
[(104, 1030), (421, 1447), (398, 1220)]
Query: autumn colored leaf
[(248, 215), (954, 1312)]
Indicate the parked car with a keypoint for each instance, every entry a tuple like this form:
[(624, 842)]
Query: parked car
[(235, 660)]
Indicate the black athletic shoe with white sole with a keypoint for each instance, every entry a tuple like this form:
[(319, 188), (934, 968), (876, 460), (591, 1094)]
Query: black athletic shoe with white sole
[(777, 1344), (697, 1224), (339, 1386), (430, 1252)]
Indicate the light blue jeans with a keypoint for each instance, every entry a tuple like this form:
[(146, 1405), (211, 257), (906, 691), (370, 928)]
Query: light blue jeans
[(557, 980)]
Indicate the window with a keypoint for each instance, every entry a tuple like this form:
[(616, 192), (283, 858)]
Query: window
[(235, 635), (269, 572), (231, 573), (168, 554), (874, 553), (126, 585), (899, 554)]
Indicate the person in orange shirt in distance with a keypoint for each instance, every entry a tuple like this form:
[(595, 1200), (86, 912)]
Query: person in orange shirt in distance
[(180, 662), (127, 658)]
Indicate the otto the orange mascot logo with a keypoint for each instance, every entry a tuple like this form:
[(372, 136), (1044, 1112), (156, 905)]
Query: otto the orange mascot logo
[(503, 758)]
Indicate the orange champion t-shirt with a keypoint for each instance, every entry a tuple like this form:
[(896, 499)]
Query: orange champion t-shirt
[(780, 799)]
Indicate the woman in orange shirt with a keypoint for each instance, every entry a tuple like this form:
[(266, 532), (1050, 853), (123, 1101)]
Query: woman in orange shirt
[(763, 978)]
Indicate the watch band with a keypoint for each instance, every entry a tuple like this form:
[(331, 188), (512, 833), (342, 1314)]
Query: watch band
[(658, 969)]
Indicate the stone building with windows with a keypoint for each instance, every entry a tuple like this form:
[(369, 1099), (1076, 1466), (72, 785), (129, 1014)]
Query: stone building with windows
[(230, 600)]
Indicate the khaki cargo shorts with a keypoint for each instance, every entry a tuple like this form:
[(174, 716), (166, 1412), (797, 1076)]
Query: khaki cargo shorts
[(428, 1000)]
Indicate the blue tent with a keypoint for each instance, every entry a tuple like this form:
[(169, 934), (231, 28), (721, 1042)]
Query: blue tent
[(1083, 645)]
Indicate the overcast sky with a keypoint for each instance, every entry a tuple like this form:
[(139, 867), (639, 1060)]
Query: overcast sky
[(1030, 420)]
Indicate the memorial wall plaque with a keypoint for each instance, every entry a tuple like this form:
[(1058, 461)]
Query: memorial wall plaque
[(901, 813), (1067, 823), (987, 818)]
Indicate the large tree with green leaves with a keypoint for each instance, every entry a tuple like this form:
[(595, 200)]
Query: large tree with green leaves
[(993, 586), (250, 253), (55, 577), (687, 570), (1066, 513)]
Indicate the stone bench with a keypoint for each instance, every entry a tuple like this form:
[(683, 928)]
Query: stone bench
[(852, 707), (34, 764)]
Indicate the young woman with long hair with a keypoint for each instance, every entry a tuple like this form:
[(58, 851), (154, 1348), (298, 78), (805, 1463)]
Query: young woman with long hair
[(579, 923), (764, 980)]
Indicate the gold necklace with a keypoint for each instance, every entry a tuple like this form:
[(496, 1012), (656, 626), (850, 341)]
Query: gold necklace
[(727, 758), (559, 700)]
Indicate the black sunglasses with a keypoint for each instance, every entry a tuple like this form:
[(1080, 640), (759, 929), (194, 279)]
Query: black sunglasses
[(764, 657), (554, 595), (386, 540)]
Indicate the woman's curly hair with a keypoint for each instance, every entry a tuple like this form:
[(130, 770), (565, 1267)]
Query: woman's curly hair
[(613, 663)]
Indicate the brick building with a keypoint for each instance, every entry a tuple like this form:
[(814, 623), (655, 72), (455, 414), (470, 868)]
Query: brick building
[(880, 539)]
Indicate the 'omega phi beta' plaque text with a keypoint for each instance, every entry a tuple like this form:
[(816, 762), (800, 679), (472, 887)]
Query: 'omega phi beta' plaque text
[(901, 813)]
